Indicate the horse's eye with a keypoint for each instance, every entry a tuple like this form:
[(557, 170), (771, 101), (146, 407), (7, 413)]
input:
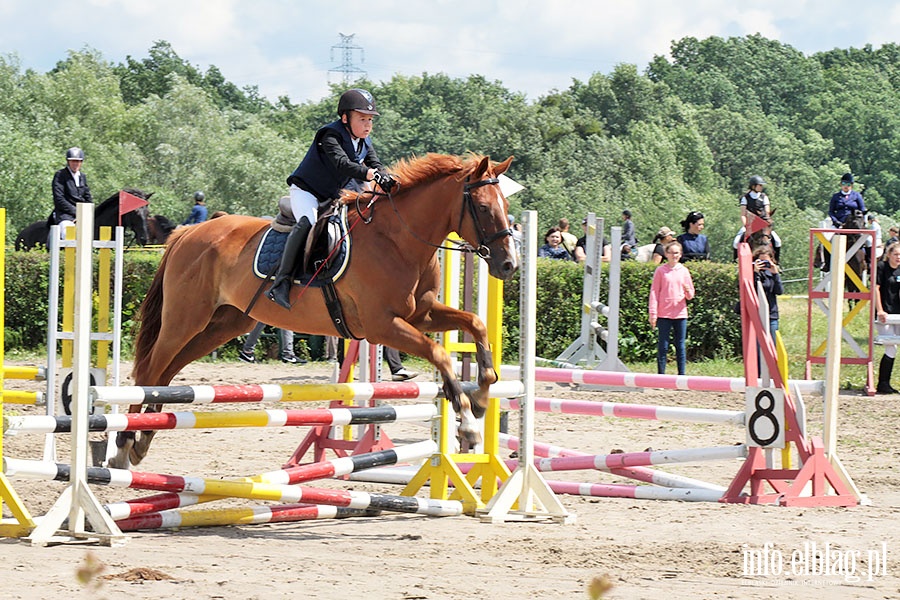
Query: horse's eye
[(483, 209)]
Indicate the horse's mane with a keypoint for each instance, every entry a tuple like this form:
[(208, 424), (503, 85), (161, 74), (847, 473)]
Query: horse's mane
[(165, 223), (419, 170)]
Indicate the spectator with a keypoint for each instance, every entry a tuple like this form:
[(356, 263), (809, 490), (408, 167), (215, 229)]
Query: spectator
[(552, 247), (247, 351), (331, 347), (581, 245), (568, 239), (887, 302), (844, 202), (875, 226), (893, 235), (198, 212), (672, 287), (391, 356), (398, 371), (628, 234), (765, 272), (663, 237), (694, 244)]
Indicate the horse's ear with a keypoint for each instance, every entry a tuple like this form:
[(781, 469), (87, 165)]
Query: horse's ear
[(502, 167), (482, 168)]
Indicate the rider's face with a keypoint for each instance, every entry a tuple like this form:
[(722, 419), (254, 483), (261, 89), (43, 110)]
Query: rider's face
[(360, 124)]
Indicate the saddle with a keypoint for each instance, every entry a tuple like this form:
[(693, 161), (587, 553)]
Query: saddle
[(327, 246)]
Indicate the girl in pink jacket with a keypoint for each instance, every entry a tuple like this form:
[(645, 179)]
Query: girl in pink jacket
[(672, 288)]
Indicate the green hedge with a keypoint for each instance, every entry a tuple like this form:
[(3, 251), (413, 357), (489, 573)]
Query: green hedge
[(27, 296), (713, 330)]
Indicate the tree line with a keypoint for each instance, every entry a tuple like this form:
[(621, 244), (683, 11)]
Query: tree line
[(684, 134)]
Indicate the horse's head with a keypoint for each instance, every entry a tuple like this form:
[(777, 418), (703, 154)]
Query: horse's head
[(488, 228), (160, 228), (856, 220), (136, 220)]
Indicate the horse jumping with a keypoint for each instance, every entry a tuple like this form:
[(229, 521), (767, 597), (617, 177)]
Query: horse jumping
[(388, 293), (105, 215)]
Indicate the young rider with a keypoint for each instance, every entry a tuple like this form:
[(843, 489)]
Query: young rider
[(755, 201), (341, 151)]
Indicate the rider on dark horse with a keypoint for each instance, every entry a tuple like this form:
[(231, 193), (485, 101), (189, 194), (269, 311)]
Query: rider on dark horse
[(69, 188), (844, 202), (755, 203), (341, 151)]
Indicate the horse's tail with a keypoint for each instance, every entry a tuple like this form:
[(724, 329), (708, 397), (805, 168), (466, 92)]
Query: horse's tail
[(150, 318), (150, 322)]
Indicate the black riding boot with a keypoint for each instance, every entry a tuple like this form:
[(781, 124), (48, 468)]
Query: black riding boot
[(884, 376), (293, 254)]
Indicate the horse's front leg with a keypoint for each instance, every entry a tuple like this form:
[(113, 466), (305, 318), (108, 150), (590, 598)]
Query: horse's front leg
[(406, 338), (445, 318), (130, 449)]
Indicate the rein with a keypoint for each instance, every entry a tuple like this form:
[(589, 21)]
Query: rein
[(483, 240)]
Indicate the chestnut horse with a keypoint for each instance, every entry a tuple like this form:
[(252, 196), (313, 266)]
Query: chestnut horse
[(389, 291)]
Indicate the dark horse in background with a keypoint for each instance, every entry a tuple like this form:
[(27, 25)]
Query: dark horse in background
[(160, 228), (106, 214), (858, 261), (388, 292)]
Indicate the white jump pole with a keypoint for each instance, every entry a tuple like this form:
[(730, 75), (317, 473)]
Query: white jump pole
[(526, 485), (78, 501)]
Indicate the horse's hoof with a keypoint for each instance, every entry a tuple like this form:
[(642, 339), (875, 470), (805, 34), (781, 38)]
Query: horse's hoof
[(119, 461), (472, 437)]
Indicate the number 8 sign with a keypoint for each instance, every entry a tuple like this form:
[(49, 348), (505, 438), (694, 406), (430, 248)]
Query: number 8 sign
[(765, 417)]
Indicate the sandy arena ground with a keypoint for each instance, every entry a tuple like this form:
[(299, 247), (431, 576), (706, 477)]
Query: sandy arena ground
[(648, 549)]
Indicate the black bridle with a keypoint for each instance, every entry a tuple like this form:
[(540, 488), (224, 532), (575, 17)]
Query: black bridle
[(484, 241), (468, 203)]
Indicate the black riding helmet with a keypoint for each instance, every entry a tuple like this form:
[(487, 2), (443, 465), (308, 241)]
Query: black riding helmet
[(199, 196), (359, 100), (74, 153), (757, 180)]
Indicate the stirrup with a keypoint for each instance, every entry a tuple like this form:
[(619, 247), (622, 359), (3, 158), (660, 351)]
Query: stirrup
[(280, 293)]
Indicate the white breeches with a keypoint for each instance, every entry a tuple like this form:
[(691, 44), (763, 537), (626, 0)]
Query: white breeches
[(62, 227), (304, 204)]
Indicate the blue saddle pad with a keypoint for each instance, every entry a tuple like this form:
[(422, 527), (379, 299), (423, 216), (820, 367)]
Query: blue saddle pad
[(271, 247)]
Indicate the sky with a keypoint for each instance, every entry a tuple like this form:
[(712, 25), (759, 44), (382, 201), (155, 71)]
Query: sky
[(292, 47)]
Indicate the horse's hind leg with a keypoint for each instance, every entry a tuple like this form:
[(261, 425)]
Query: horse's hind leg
[(227, 323)]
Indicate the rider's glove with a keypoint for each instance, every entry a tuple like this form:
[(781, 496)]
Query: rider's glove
[(384, 180)]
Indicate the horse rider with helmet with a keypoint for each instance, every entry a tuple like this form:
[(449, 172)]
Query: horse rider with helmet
[(198, 212), (755, 201), (69, 188), (340, 152), (844, 202)]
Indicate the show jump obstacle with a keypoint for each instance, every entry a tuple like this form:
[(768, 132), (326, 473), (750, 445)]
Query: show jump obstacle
[(863, 300), (524, 496), (21, 522)]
